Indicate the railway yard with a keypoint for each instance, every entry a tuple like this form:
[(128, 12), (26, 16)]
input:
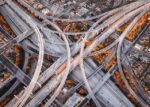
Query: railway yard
[(74, 53)]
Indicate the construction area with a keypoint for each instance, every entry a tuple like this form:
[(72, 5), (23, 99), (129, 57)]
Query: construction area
[(74, 53)]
